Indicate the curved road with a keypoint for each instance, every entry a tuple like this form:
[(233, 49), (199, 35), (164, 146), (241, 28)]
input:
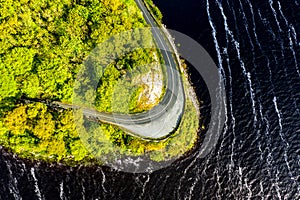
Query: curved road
[(162, 119)]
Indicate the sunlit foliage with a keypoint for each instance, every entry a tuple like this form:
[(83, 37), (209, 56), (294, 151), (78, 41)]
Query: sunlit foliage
[(42, 48)]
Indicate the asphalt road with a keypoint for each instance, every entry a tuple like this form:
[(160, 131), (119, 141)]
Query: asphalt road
[(162, 119)]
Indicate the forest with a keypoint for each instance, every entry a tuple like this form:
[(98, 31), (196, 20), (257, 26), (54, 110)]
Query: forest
[(43, 46)]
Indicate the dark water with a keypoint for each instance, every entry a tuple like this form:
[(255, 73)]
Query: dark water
[(256, 45)]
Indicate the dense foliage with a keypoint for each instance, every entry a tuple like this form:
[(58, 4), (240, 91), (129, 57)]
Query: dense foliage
[(34, 130), (154, 10), (43, 43), (42, 48)]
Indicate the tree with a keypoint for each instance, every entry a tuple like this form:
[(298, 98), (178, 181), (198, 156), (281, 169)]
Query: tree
[(8, 84)]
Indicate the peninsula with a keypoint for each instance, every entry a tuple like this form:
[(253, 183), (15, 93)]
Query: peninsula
[(43, 48)]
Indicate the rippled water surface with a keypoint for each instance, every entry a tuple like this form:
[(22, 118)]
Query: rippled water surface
[(256, 45)]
